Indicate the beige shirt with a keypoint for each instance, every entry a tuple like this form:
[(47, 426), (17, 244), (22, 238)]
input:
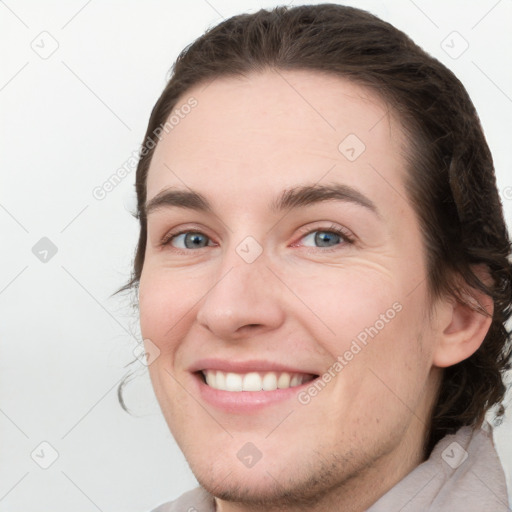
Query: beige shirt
[(462, 474)]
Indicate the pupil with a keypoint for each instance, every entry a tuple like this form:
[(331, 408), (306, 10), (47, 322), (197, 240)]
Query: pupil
[(196, 237), (324, 237)]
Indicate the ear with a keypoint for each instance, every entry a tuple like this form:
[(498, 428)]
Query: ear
[(461, 329)]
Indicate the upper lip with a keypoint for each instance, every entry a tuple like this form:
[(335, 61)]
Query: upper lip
[(252, 365)]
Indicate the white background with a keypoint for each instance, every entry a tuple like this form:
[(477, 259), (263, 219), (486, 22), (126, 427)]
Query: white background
[(67, 123)]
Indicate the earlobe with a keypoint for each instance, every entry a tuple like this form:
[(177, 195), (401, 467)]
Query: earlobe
[(465, 329)]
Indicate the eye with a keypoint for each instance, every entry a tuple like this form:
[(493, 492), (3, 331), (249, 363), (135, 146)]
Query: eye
[(333, 235), (190, 239)]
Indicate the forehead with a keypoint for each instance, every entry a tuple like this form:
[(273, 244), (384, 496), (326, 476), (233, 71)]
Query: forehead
[(255, 135)]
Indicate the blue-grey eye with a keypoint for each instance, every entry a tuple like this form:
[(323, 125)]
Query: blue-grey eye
[(192, 240), (325, 238)]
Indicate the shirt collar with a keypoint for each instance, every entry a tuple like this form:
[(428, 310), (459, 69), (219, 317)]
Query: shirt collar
[(463, 473)]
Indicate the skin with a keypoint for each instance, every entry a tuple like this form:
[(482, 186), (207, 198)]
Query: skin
[(298, 303)]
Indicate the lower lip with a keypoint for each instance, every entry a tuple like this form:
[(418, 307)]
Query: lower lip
[(246, 401)]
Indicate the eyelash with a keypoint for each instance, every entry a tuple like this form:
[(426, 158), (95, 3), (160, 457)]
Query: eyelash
[(343, 233)]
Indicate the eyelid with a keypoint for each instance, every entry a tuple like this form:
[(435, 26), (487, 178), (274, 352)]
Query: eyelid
[(335, 227)]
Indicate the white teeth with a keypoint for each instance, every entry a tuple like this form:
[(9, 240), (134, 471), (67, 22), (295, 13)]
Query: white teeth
[(269, 382), (284, 381), (220, 380), (233, 382), (253, 381), (210, 379)]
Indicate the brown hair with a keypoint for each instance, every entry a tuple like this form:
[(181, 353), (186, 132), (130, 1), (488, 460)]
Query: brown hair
[(450, 180)]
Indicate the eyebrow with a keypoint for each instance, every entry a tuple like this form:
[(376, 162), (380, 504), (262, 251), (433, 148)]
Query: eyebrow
[(296, 197)]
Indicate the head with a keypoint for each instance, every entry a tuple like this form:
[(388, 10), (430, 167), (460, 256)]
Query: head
[(316, 197)]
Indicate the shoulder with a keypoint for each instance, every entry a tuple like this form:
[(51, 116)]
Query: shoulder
[(196, 500)]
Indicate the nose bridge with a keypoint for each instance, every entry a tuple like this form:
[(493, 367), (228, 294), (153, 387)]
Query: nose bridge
[(243, 292), (244, 255)]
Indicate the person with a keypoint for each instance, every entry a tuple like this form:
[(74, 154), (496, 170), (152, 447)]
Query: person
[(323, 270)]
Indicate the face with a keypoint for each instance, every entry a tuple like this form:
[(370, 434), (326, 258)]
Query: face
[(295, 353)]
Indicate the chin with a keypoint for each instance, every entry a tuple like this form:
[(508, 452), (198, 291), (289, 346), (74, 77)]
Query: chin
[(267, 492), (266, 484), (261, 490)]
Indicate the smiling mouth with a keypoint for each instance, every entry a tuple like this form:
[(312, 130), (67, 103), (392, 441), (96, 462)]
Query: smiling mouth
[(253, 381)]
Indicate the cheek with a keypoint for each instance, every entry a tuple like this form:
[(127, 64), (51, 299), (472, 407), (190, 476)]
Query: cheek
[(348, 303), (163, 308), (376, 326), (163, 320)]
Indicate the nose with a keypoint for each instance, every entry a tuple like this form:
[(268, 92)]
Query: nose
[(243, 300)]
